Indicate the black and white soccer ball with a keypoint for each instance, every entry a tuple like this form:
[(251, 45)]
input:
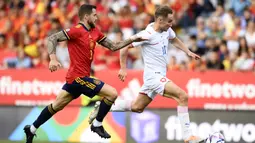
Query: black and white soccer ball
[(215, 137)]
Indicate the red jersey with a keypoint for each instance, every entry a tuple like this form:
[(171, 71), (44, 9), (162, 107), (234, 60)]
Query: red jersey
[(81, 44)]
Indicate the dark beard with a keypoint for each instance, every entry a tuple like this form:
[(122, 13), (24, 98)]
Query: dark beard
[(91, 24)]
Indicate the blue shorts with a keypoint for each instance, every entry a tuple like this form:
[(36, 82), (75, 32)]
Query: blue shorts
[(84, 85)]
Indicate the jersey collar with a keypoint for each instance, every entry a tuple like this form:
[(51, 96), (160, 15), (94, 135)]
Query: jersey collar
[(86, 28), (150, 28)]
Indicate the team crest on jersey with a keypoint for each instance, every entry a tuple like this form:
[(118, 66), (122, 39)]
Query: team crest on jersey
[(163, 79), (78, 26), (96, 81)]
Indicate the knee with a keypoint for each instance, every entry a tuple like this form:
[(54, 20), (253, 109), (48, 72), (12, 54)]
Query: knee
[(57, 106), (61, 101), (183, 97), (113, 95), (136, 108)]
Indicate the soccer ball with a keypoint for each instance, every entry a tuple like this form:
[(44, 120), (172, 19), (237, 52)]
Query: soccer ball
[(215, 137)]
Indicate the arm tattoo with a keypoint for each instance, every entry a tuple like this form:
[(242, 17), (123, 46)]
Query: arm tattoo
[(115, 46), (53, 41)]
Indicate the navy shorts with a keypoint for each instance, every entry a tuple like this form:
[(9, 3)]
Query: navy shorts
[(84, 85)]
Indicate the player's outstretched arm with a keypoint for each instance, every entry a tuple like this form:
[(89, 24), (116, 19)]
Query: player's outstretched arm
[(114, 46), (53, 41), (179, 44), (51, 45), (123, 60)]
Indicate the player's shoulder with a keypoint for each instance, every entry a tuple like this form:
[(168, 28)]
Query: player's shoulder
[(75, 28), (146, 34), (171, 34), (170, 29)]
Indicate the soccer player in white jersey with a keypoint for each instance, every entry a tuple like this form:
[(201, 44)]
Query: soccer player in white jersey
[(154, 53)]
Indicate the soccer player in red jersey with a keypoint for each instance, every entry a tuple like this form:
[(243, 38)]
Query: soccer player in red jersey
[(82, 39)]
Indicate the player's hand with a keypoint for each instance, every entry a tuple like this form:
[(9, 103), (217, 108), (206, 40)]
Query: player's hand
[(54, 65), (193, 55), (122, 74), (136, 38)]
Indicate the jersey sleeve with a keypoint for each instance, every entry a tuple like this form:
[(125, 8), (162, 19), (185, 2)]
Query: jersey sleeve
[(144, 34), (172, 34), (100, 36), (73, 32)]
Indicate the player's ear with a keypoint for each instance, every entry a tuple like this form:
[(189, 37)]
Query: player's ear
[(86, 16), (160, 19)]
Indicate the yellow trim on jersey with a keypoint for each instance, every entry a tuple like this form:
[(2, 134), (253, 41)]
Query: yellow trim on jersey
[(78, 26), (101, 39), (66, 34), (51, 110)]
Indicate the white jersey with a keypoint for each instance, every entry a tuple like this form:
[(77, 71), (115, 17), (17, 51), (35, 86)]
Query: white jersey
[(154, 50)]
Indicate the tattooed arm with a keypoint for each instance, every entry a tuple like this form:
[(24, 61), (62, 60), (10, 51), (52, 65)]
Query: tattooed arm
[(53, 41), (114, 46), (51, 45)]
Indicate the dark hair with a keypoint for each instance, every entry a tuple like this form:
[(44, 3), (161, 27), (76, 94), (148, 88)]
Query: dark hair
[(85, 9), (242, 49), (163, 11)]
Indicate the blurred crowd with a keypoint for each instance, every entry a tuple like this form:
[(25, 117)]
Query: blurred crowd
[(222, 32)]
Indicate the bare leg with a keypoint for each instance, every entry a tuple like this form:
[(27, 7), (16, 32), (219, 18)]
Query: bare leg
[(175, 92), (137, 105), (121, 105), (140, 103)]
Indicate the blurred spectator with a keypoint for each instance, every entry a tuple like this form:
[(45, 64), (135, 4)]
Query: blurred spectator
[(232, 38), (227, 21), (247, 16), (42, 61), (125, 21), (215, 31), (136, 58), (211, 45), (244, 62), (214, 61), (112, 58), (197, 46), (250, 34), (223, 51), (243, 46), (19, 62), (62, 54), (239, 6), (2, 42), (199, 35), (178, 54), (224, 56), (173, 64), (252, 7), (104, 58)]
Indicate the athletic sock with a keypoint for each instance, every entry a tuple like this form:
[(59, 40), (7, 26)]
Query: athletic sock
[(121, 105), (183, 115), (46, 114), (104, 108)]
